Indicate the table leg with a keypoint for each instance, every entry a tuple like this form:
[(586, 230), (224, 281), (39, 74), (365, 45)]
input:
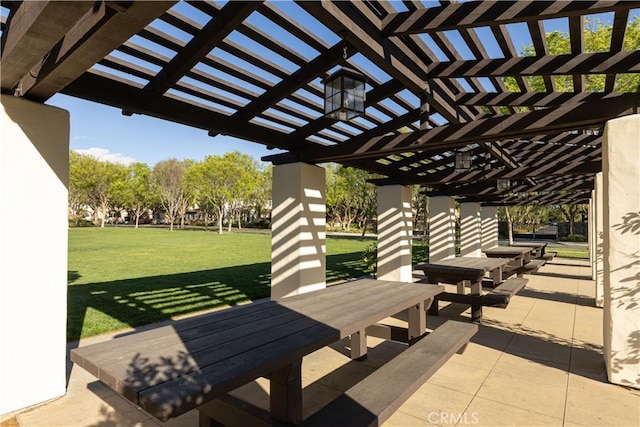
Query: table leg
[(286, 393), (359, 345), (417, 320), (496, 276)]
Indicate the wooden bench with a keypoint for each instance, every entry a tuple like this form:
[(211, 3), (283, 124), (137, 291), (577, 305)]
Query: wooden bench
[(548, 256), (374, 399), (509, 288), (530, 267)]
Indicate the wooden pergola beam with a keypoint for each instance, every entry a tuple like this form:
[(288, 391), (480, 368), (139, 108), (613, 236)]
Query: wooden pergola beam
[(95, 87), (77, 52), (454, 16), (547, 65), (537, 99), (32, 29), (450, 136)]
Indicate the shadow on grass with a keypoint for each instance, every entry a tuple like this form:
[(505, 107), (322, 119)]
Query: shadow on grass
[(140, 301)]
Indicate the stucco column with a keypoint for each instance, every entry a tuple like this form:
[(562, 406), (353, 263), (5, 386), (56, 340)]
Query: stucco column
[(34, 174), (599, 240), (591, 235), (489, 224), (442, 228), (298, 251), (621, 209), (395, 230), (470, 231)]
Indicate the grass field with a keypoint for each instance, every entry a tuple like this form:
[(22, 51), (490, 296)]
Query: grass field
[(121, 277)]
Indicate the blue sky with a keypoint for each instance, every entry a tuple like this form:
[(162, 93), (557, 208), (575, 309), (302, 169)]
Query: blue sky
[(107, 134)]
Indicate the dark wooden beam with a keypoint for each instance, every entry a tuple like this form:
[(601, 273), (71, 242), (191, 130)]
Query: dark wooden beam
[(367, 39), (537, 99), (33, 28), (486, 13), (91, 39), (548, 65), (520, 173), (314, 68), (520, 125), (109, 91), (576, 37), (207, 38)]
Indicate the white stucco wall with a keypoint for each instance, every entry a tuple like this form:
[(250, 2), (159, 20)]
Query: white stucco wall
[(621, 216), (489, 220), (34, 170), (470, 230), (395, 233), (298, 234), (442, 228)]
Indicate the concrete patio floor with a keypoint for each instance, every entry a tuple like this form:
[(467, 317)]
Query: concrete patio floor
[(537, 362)]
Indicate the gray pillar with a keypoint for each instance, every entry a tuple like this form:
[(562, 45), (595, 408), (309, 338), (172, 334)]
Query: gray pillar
[(442, 226), (599, 240), (470, 230), (395, 231), (489, 224), (298, 252), (621, 208), (34, 174)]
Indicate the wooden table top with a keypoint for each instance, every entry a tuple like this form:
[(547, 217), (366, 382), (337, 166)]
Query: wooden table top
[(531, 244), (508, 251), (487, 264), (172, 369)]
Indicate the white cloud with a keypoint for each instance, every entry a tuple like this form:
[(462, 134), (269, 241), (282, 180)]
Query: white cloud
[(105, 155)]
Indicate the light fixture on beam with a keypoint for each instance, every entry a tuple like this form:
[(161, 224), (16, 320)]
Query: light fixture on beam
[(463, 160), (503, 183), (344, 93)]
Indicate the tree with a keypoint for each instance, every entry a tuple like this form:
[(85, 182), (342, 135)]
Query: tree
[(572, 213), (597, 38), (167, 178), (349, 195), (134, 191)]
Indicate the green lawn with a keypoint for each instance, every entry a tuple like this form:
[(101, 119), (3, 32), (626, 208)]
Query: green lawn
[(121, 277), (569, 252)]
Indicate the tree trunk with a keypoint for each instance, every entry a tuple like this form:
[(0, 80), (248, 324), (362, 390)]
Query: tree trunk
[(220, 221), (206, 221), (509, 225), (364, 227)]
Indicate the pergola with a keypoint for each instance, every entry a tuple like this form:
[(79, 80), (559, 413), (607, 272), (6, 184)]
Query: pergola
[(436, 87)]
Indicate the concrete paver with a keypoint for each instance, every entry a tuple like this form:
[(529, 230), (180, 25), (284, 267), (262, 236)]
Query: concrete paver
[(538, 362)]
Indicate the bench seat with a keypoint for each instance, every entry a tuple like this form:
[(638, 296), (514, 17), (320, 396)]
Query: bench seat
[(530, 267), (374, 399), (548, 256), (509, 287)]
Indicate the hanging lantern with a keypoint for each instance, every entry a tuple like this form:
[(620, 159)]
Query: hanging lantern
[(463, 160), (344, 94), (503, 184)]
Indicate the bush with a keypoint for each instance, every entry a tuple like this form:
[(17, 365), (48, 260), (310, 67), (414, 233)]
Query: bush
[(264, 224), (573, 238), (81, 223), (370, 257)]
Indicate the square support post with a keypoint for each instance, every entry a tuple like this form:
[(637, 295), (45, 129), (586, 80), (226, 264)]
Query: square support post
[(442, 228), (489, 219), (621, 208), (599, 240), (34, 176), (470, 230), (591, 235), (298, 234), (395, 232)]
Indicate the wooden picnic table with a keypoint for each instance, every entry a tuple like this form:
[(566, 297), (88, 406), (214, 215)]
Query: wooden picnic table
[(519, 255), (492, 266), (538, 247), (173, 369), (467, 272)]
